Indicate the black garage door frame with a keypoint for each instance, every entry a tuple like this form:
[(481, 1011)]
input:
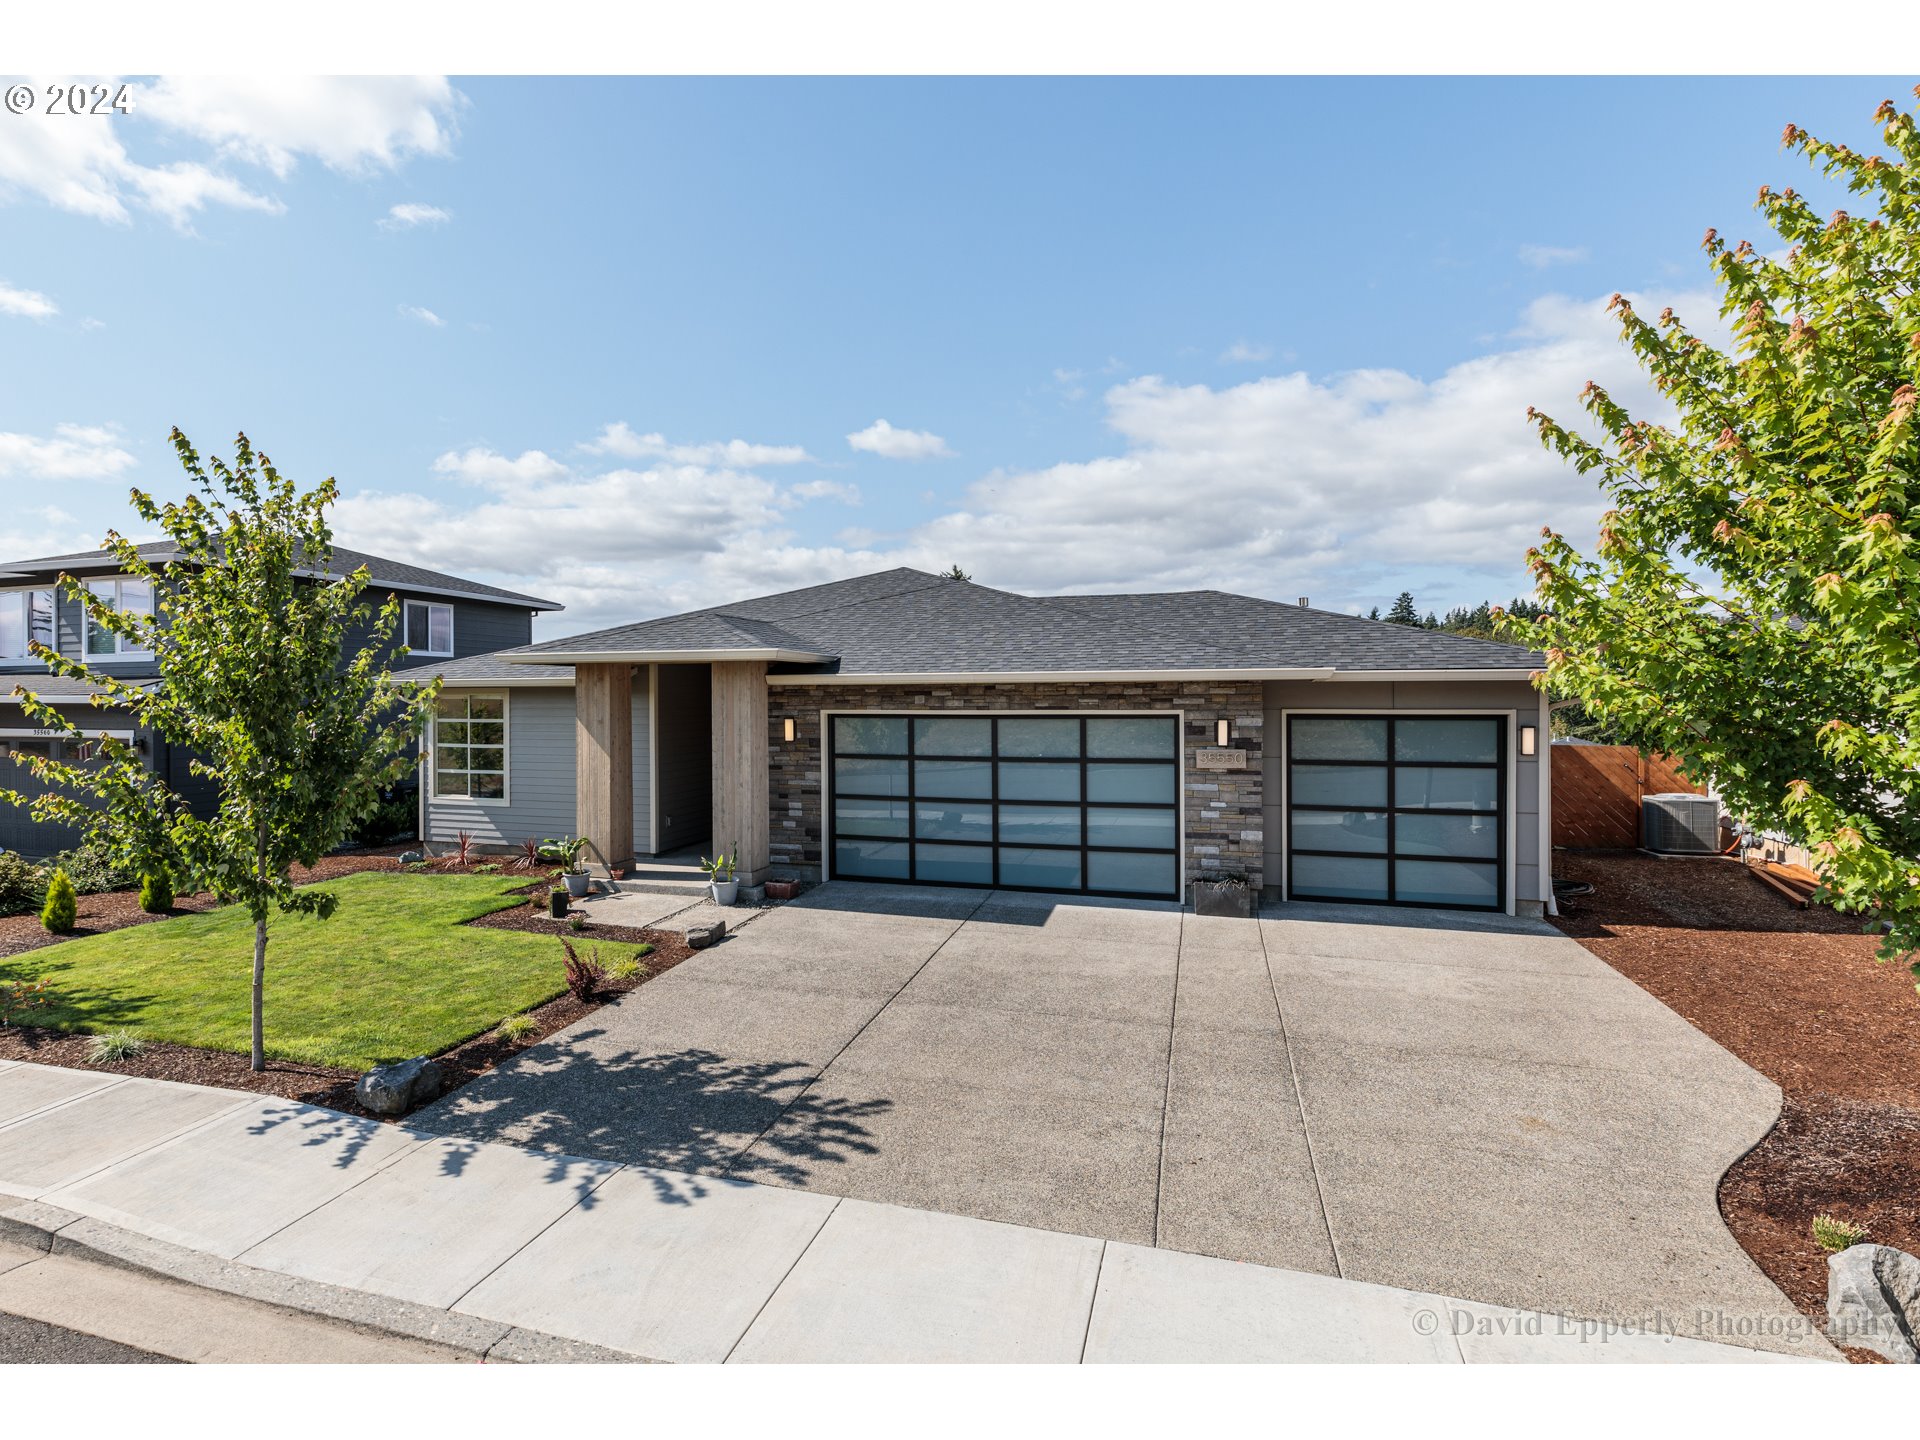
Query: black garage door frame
[(831, 797), (1502, 765)]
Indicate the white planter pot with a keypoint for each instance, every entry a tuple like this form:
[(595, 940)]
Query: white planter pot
[(725, 892), (578, 885)]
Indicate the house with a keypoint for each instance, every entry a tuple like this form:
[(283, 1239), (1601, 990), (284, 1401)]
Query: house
[(908, 727), (442, 617)]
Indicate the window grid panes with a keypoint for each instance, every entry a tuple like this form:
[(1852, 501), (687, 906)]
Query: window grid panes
[(1081, 803), (1398, 810), (470, 746), (125, 594)]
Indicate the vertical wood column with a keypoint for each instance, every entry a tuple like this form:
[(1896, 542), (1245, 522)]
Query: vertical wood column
[(603, 765), (740, 779)]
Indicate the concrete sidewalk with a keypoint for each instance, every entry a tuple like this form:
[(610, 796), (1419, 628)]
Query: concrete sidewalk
[(516, 1254)]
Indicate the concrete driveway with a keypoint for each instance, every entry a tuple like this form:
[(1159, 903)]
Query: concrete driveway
[(1470, 1105)]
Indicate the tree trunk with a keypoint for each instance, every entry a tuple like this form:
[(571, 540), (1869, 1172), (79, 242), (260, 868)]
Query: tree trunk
[(259, 985)]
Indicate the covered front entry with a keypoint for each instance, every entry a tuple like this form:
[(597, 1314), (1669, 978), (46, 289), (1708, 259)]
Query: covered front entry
[(1081, 803), (1398, 809)]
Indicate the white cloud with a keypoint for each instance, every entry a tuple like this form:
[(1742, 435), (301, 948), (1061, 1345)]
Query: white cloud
[(412, 215), (620, 440), (1245, 352), (481, 466), (841, 490), (72, 452), (349, 123), (1540, 257), (422, 314), (1346, 487), (882, 439), (81, 164), (28, 303)]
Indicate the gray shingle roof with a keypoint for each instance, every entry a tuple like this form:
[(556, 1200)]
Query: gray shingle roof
[(909, 622), (382, 570)]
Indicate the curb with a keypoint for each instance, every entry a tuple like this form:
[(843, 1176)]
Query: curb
[(54, 1231)]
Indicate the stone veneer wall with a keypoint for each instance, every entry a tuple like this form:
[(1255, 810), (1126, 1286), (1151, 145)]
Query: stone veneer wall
[(1224, 819)]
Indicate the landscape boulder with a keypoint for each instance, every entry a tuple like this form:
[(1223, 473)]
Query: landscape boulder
[(1873, 1301), (395, 1089), (699, 937), (410, 857)]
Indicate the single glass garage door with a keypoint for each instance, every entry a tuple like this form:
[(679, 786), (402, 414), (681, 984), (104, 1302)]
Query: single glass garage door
[(1398, 810), (1082, 803)]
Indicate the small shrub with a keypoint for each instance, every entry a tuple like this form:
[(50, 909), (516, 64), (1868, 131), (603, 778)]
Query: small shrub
[(1833, 1235), (529, 856), (584, 976), (516, 1028), (630, 967), (114, 1047), (62, 908), (418, 867), (577, 923), (92, 869), (22, 885), (395, 817), (156, 892), (487, 869), (462, 853)]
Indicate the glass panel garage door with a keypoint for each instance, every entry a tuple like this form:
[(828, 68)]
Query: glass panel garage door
[(1398, 810), (1084, 803)]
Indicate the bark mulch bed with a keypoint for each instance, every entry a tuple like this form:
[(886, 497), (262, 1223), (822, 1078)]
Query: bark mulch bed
[(1798, 995)]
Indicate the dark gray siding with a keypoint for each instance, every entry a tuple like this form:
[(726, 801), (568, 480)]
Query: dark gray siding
[(685, 714), (18, 830), (479, 627)]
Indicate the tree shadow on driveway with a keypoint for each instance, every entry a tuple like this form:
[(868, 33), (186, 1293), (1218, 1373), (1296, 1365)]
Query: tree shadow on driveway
[(691, 1111)]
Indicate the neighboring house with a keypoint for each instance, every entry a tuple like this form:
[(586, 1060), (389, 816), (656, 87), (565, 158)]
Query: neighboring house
[(443, 617), (910, 727)]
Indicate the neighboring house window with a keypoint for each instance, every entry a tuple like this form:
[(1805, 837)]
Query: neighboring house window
[(25, 616), (429, 629), (122, 594), (470, 746)]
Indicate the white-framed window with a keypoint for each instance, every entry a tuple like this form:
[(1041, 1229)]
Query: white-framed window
[(25, 616), (123, 593), (429, 628), (470, 746)]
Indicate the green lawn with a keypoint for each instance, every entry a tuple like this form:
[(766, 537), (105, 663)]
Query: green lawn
[(393, 973)]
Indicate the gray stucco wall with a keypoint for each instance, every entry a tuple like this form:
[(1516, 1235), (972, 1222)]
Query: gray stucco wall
[(540, 774), (1410, 695)]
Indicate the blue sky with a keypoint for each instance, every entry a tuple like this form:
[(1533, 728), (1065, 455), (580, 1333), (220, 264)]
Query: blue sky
[(1267, 335)]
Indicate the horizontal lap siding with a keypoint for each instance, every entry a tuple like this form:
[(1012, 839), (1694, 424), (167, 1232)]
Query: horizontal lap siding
[(540, 751), (1410, 695)]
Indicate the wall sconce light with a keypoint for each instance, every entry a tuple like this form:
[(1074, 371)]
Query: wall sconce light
[(1221, 733), (786, 729), (1527, 739)]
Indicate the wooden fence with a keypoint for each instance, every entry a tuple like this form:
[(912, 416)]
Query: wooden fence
[(1597, 790)]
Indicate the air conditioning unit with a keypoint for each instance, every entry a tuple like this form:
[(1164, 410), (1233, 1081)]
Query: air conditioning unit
[(1681, 824)]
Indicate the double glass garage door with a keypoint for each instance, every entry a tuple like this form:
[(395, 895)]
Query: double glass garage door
[(1081, 803), (1406, 810)]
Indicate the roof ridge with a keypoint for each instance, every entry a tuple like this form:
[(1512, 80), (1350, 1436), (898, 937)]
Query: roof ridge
[(934, 580)]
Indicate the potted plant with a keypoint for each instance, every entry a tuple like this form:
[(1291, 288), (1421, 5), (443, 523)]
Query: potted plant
[(721, 883), (567, 854), (1223, 895), (557, 902)]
